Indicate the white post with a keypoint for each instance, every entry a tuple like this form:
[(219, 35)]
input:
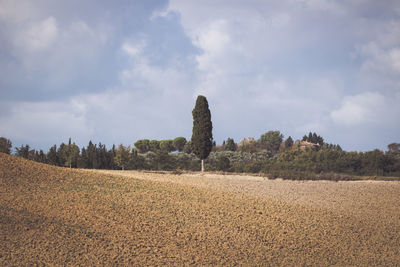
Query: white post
[(202, 165)]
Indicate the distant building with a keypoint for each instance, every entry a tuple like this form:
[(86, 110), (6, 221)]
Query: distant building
[(305, 145)]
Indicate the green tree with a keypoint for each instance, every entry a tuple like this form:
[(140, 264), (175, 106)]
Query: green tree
[(142, 145), (183, 161), (52, 156), (62, 154), (230, 145), (110, 154), (68, 154), (41, 157), (188, 147), (83, 159), (167, 145), (374, 162), (248, 145), (179, 143), (223, 163), (287, 144), (319, 140), (154, 145), (5, 145), (327, 146), (394, 148), (313, 138), (164, 161), (25, 152), (136, 162), (72, 156), (202, 139), (91, 153), (121, 158), (310, 137), (271, 140)]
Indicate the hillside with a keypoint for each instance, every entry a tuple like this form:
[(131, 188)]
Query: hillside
[(57, 216)]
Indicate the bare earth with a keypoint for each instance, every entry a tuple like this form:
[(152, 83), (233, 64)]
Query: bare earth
[(373, 205), (51, 216), (374, 200)]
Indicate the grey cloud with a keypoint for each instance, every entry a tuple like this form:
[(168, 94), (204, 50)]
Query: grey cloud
[(55, 49), (316, 41), (132, 69)]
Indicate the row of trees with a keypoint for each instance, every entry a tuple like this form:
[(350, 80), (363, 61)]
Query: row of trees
[(270, 141), (298, 163), (270, 154), (70, 155), (274, 142), (97, 156), (5, 145), (327, 161), (313, 138), (290, 163), (178, 144)]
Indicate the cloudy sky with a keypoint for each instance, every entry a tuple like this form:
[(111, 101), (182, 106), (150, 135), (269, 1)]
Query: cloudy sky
[(118, 71)]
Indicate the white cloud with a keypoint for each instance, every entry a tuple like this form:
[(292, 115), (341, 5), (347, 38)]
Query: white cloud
[(164, 13), (150, 102), (39, 36), (131, 115), (12, 11), (359, 109), (394, 55), (249, 55), (380, 56), (133, 49), (79, 30), (213, 38), (214, 41), (380, 59), (41, 121), (240, 48), (153, 79), (279, 20), (49, 54), (324, 5), (263, 65)]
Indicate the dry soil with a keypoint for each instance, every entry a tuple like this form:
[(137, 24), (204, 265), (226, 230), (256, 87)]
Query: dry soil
[(58, 216)]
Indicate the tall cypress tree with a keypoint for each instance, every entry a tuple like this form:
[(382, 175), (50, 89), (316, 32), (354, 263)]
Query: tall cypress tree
[(202, 130)]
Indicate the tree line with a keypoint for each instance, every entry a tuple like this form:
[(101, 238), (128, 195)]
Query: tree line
[(271, 154)]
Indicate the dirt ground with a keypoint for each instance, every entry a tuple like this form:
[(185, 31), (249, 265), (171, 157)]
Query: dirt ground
[(58, 216), (378, 200)]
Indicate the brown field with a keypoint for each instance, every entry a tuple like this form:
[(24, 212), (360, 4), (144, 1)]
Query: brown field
[(57, 216)]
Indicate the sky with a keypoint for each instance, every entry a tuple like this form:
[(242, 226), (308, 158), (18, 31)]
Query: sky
[(119, 71)]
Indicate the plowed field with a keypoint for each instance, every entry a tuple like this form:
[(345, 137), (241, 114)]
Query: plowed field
[(58, 216)]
